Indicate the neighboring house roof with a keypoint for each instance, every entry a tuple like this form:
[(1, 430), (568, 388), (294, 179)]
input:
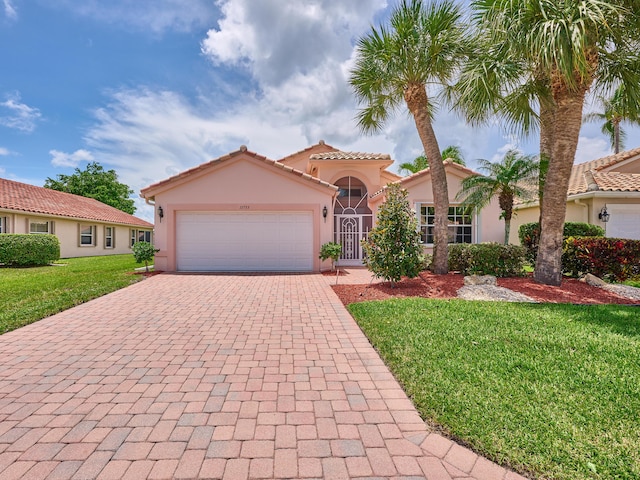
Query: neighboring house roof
[(151, 190), (591, 176), (23, 197)]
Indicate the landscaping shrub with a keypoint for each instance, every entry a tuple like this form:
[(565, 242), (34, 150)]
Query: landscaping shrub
[(331, 250), (529, 234), (144, 252), (24, 250), (393, 249), (612, 259), (487, 259)]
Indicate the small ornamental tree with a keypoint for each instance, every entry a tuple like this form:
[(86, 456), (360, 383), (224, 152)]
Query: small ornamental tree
[(144, 252), (393, 249), (331, 250)]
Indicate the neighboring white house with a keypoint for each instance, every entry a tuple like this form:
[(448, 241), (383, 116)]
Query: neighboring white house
[(608, 185), (84, 226)]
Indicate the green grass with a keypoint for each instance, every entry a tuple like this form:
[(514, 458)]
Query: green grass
[(550, 390), (633, 283), (30, 294)]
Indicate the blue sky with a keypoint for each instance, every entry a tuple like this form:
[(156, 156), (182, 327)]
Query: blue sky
[(150, 88)]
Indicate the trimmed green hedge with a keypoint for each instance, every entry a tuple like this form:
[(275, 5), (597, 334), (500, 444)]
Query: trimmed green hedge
[(613, 259), (529, 234), (487, 259), (22, 250)]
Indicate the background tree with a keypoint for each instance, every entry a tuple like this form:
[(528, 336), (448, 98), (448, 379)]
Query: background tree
[(95, 182), (615, 110), (452, 152), (422, 45), (569, 48), (393, 248), (514, 176)]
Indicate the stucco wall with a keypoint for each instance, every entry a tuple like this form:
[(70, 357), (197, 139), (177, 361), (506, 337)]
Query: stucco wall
[(241, 184), (488, 225), (67, 232)]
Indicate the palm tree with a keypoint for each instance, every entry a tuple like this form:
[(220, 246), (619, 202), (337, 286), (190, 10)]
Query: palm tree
[(452, 152), (507, 179), (423, 44), (418, 164), (570, 47), (615, 111)]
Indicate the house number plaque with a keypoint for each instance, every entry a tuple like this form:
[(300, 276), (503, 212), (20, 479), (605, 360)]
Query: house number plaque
[(244, 207)]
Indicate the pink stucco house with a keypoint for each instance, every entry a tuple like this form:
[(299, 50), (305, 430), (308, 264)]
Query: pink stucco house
[(245, 212)]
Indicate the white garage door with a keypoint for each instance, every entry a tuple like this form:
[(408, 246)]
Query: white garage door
[(244, 242), (624, 221)]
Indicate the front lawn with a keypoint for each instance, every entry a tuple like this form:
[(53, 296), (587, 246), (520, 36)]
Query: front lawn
[(550, 390), (29, 294)]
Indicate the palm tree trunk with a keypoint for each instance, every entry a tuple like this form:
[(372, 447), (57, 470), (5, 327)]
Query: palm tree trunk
[(418, 104), (616, 137), (567, 123), (507, 230), (547, 115)]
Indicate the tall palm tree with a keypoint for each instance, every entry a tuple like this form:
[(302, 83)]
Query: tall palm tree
[(423, 44), (615, 111), (570, 46), (452, 152), (508, 179)]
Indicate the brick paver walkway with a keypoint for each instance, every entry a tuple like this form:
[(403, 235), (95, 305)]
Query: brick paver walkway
[(209, 376)]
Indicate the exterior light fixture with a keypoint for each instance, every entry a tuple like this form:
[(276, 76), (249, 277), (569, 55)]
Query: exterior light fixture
[(325, 212), (604, 215), (160, 213)]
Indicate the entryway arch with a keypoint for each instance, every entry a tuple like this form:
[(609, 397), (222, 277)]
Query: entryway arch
[(353, 219)]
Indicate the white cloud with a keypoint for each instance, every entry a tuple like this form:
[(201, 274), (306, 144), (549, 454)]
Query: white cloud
[(4, 151), (156, 16), (20, 115), (9, 10), (590, 148), (62, 159)]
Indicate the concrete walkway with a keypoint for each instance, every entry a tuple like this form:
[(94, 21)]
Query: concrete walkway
[(210, 376)]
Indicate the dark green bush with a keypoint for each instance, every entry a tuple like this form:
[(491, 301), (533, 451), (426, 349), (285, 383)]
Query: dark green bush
[(487, 259), (613, 259), (529, 234), (23, 250)]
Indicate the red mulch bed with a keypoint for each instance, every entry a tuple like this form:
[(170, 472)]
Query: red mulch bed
[(428, 285)]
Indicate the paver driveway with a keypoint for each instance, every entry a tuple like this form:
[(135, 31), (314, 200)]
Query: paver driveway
[(207, 376)]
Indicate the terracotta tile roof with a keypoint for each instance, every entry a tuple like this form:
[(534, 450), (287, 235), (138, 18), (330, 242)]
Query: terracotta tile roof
[(339, 155), (617, 182), (321, 143), (150, 191), (29, 198), (582, 174)]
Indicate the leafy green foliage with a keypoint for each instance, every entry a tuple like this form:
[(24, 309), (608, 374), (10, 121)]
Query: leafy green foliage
[(529, 234), (144, 252), (25, 250), (331, 250), (613, 259), (452, 152), (550, 390), (506, 179), (393, 249), (95, 182), (487, 259), (29, 294)]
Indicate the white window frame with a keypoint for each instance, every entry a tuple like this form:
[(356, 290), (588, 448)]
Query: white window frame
[(3, 225), (82, 234), (49, 225), (109, 238), (452, 227)]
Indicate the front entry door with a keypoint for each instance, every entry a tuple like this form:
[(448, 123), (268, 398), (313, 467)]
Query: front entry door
[(350, 233)]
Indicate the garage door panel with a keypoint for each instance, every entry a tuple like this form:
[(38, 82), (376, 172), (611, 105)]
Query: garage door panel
[(624, 221), (247, 241)]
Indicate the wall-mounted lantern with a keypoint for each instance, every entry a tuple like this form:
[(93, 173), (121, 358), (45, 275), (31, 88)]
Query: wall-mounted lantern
[(604, 215), (160, 213)]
